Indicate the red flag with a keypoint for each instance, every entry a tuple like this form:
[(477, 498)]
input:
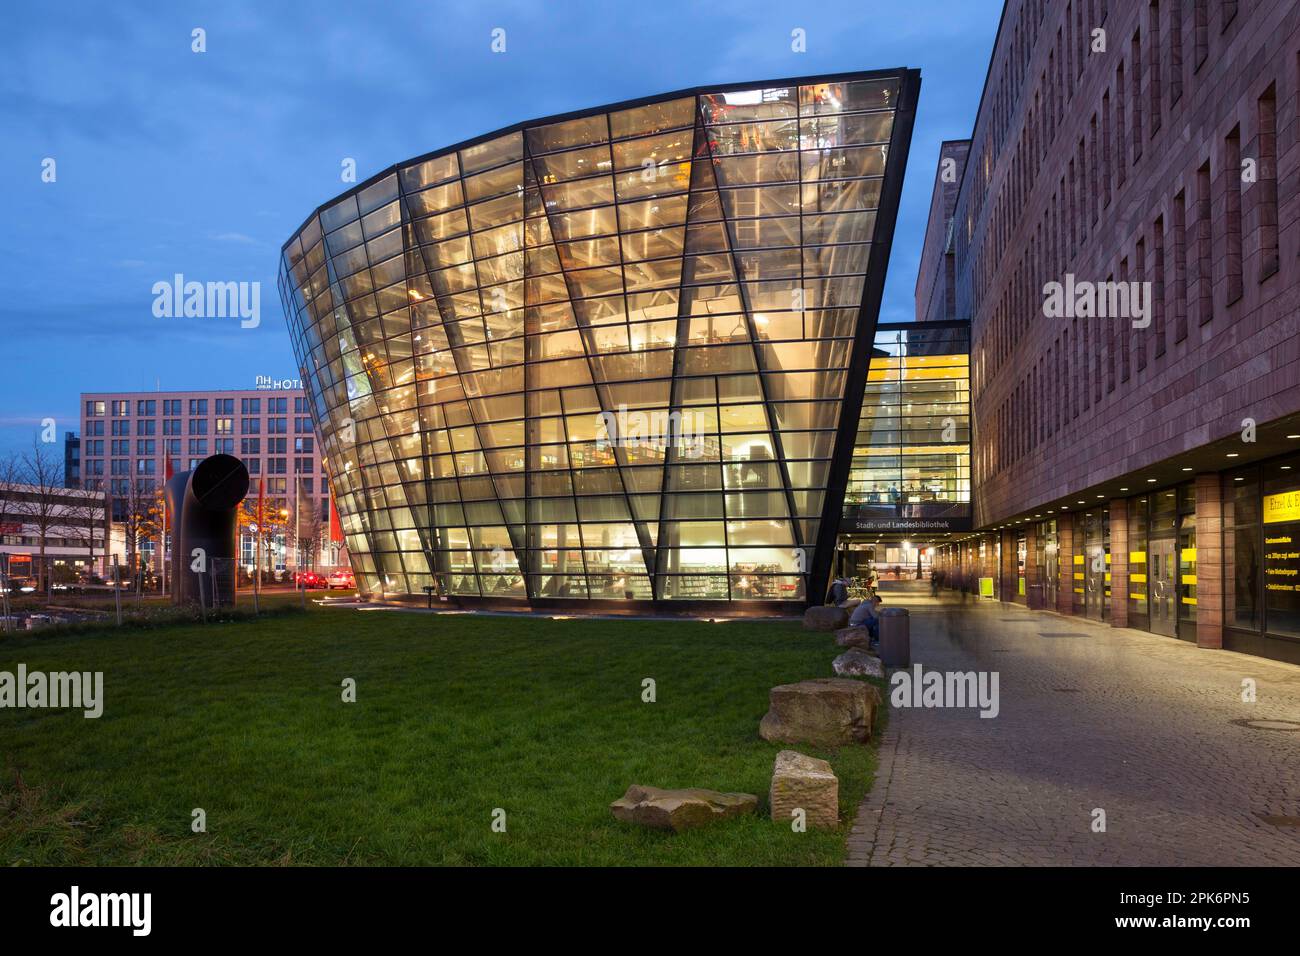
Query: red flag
[(167, 476), (336, 526)]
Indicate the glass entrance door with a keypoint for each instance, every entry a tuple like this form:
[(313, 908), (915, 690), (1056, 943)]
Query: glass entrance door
[(1162, 574), (1187, 577), (1095, 583)]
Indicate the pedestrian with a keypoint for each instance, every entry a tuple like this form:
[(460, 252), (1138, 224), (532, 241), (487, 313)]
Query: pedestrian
[(867, 614)]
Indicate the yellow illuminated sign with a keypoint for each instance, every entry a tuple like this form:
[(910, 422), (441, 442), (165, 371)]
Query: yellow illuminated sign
[(1282, 507)]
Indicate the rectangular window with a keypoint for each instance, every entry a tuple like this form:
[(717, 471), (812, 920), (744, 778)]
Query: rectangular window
[(198, 406), (1264, 206), (1140, 266), (1121, 127), (1201, 26), (1135, 99), (1093, 171), (1157, 303), (1124, 330), (1153, 86), (1180, 266), (1203, 295), (1232, 213), (1175, 54)]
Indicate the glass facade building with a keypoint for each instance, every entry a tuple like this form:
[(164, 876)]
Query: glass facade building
[(911, 456), (612, 356)]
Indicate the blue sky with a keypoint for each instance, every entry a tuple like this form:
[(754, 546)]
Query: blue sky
[(172, 161)]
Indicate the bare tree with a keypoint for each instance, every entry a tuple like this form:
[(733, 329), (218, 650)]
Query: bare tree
[(264, 519), (308, 526), (10, 513), (11, 474), (42, 506), (85, 520), (141, 519)]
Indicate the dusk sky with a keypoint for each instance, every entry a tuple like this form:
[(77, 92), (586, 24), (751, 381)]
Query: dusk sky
[(170, 161)]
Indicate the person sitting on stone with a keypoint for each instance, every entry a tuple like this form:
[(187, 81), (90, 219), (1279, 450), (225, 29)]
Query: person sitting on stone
[(867, 614), (839, 592)]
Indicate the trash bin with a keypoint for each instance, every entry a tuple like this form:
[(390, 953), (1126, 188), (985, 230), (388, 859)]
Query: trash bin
[(895, 637)]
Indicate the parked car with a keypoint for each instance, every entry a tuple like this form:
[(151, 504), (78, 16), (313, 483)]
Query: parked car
[(342, 578), (309, 579)]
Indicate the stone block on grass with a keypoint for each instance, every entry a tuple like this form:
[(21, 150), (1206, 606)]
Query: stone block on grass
[(825, 618), (679, 810), (853, 637), (825, 712), (856, 662), (804, 783)]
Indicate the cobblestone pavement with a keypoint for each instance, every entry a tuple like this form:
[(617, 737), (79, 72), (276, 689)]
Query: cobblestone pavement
[(1140, 726)]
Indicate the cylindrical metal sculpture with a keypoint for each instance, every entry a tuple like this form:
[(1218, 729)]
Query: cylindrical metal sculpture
[(204, 506)]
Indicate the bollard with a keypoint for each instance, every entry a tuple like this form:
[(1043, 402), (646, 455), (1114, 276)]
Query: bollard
[(895, 637)]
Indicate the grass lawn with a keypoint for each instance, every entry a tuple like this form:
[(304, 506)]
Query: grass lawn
[(456, 715)]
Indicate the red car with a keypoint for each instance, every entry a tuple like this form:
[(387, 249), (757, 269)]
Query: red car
[(310, 579)]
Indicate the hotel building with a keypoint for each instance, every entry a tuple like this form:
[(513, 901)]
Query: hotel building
[(127, 438)]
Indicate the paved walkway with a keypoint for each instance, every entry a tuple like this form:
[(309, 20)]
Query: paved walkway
[(1145, 728)]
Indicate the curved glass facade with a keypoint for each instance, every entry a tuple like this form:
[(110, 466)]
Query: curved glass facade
[(605, 356)]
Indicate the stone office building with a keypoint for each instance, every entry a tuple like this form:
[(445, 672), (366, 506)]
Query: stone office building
[(1139, 468)]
